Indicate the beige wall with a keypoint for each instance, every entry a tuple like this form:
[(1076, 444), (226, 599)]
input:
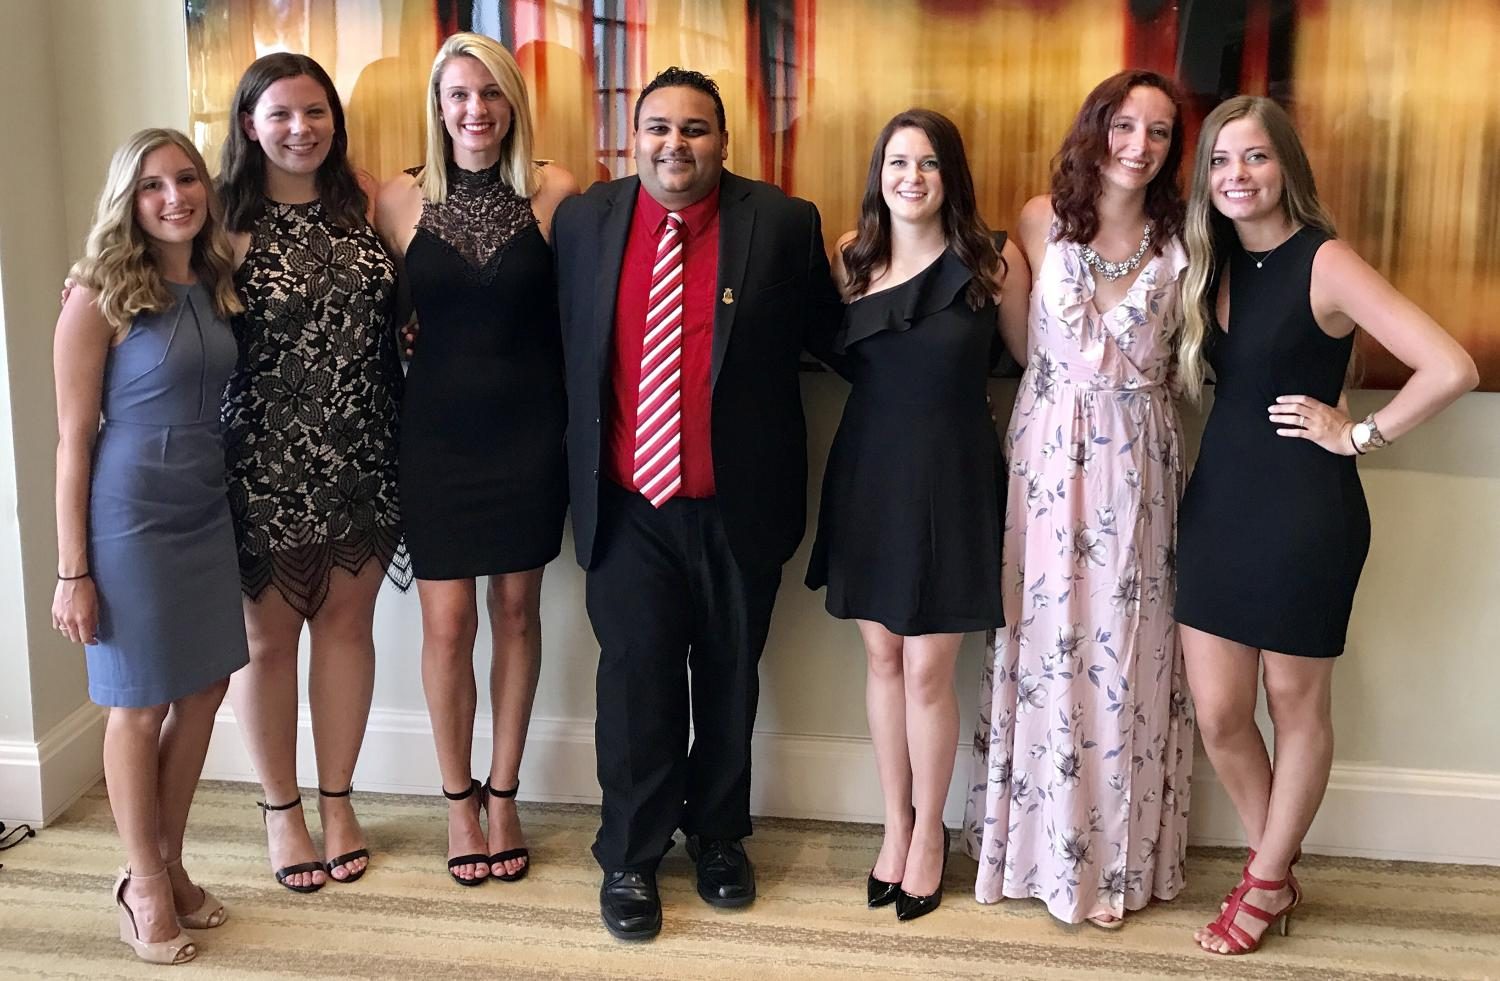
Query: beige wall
[(1416, 690), (31, 253)]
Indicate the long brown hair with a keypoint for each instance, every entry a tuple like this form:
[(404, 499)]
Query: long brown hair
[(1208, 232), (965, 231), (1075, 169), (242, 168)]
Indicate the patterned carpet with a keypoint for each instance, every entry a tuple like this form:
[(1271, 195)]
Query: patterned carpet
[(405, 919)]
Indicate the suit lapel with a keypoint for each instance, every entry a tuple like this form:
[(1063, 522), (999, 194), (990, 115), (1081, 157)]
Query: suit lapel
[(736, 225), (614, 229)]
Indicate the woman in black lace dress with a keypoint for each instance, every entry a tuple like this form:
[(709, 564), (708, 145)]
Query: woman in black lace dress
[(483, 476), (310, 417)]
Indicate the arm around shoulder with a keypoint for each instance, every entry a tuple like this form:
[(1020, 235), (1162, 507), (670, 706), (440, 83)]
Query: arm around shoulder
[(398, 208), (1034, 227), (1014, 300), (557, 185)]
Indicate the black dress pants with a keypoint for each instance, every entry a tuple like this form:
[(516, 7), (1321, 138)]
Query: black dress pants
[(680, 626)]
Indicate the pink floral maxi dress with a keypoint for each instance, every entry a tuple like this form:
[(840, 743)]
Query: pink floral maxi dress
[(1084, 747)]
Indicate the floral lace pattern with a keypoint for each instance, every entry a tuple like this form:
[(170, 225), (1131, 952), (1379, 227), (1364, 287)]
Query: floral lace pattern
[(480, 218), (1083, 751), (310, 415)]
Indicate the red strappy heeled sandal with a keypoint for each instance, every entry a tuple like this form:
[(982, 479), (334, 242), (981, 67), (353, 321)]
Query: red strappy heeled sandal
[(1237, 938), (1291, 876)]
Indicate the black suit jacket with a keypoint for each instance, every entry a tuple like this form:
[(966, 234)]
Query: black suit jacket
[(773, 267)]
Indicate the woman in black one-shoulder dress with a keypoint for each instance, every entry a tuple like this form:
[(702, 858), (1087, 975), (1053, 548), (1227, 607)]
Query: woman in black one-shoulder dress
[(482, 476), (1273, 528), (909, 529)]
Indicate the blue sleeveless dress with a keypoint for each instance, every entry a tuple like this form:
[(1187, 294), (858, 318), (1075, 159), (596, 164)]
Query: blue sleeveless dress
[(161, 546)]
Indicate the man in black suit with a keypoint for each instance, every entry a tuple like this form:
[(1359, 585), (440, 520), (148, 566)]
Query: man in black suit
[(687, 295)]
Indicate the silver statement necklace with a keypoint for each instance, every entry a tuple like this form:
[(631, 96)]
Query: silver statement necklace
[(1114, 270)]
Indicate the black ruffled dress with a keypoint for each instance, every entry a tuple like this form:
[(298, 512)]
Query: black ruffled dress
[(909, 527)]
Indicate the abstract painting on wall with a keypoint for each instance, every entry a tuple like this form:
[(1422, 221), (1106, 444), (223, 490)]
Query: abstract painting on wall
[(1388, 96)]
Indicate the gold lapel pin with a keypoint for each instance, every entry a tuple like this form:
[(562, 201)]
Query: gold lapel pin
[(728, 297)]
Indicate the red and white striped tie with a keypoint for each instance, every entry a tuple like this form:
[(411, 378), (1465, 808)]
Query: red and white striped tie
[(658, 412)]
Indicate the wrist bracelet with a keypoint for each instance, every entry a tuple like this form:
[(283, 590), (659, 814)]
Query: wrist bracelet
[(81, 575), (1354, 443)]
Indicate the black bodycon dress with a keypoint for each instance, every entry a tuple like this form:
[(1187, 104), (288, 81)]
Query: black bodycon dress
[(1273, 530)]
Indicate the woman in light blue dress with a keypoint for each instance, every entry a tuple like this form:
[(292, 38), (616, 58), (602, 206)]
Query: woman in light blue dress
[(147, 575)]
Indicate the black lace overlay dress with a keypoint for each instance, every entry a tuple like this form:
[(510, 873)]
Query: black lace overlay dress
[(311, 412), (483, 475)]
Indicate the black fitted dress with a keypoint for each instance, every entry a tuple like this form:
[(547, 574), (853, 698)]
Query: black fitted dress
[(910, 521), (483, 479), (1273, 530)]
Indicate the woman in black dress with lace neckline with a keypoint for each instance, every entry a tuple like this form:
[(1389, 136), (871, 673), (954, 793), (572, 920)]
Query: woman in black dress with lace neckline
[(483, 477), (1273, 529), (310, 421)]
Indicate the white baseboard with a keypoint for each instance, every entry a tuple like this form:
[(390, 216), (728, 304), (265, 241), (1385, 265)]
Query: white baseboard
[(38, 781), (1373, 812), (1377, 812)]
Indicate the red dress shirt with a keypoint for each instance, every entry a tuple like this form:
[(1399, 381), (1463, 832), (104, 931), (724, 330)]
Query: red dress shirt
[(700, 277)]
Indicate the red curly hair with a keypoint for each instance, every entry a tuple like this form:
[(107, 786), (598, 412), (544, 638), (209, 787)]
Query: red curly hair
[(1075, 169)]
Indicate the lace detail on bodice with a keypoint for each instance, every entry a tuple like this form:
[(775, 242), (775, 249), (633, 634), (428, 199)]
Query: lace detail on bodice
[(481, 216)]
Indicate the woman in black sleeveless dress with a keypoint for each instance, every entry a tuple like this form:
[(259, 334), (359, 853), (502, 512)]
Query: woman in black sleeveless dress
[(909, 528), (1273, 528), (483, 479), (310, 420)]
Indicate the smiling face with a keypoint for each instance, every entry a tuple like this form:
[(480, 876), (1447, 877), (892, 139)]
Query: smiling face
[(171, 200), (476, 113), (1140, 135), (911, 181), (293, 124), (1244, 175), (679, 147)]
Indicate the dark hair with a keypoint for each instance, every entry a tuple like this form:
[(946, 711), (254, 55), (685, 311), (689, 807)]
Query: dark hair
[(686, 78), (966, 233), (1075, 169), (242, 168)]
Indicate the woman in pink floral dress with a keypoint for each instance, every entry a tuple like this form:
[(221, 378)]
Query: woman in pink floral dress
[(1085, 741)]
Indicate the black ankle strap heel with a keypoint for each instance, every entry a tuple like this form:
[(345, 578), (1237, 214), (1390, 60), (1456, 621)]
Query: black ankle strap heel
[(290, 870), (347, 857), (472, 790), (510, 854)]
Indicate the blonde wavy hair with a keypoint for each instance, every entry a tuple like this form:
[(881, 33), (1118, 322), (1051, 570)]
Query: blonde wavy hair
[(517, 168), (1207, 231), (117, 261)]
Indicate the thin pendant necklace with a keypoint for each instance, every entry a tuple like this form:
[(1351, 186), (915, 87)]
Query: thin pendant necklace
[(1260, 258), (1114, 270)]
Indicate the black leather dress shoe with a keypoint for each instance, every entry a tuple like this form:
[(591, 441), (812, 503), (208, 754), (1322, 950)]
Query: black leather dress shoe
[(725, 877), (630, 905)]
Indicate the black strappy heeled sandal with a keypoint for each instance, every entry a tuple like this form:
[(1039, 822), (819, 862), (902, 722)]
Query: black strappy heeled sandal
[(283, 873), (347, 857), (510, 853), (473, 788)]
